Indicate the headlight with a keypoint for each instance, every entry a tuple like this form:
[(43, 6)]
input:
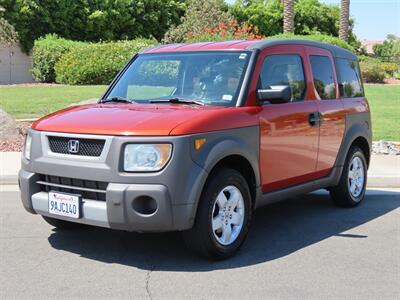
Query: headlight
[(146, 157), (27, 147)]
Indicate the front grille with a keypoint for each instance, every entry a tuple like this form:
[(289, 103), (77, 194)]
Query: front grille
[(88, 189), (86, 147)]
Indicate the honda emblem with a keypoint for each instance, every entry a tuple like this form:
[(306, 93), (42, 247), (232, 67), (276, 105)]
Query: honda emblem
[(73, 146)]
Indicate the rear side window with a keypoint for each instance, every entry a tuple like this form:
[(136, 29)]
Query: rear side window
[(284, 70), (349, 78), (323, 76)]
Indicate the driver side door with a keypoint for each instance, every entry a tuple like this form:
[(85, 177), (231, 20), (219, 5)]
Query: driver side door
[(288, 133)]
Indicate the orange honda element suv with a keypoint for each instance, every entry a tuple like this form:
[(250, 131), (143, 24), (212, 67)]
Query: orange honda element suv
[(195, 137)]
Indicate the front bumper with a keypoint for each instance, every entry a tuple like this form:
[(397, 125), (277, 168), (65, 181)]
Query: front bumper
[(175, 189), (117, 212)]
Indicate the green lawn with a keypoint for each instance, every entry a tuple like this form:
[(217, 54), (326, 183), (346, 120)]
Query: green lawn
[(36, 101), (384, 101)]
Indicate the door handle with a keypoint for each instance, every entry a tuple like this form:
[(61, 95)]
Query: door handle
[(315, 119)]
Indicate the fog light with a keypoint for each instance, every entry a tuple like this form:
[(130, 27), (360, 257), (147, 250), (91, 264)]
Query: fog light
[(144, 205)]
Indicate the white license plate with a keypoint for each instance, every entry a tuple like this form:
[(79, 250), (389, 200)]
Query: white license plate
[(63, 204)]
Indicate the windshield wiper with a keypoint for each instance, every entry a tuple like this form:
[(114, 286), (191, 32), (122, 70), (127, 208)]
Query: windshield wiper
[(177, 101), (117, 99)]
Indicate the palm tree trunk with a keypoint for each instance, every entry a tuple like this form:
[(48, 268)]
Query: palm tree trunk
[(344, 20), (288, 16)]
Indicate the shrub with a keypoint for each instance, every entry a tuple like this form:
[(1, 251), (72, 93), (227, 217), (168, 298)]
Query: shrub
[(390, 68), (46, 53), (372, 71), (97, 63)]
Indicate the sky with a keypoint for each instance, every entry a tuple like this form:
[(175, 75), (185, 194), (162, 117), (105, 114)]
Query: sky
[(374, 19)]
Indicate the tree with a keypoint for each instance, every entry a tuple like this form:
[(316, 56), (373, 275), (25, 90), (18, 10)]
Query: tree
[(344, 20), (389, 50), (310, 17), (199, 15), (8, 36), (92, 20), (288, 16)]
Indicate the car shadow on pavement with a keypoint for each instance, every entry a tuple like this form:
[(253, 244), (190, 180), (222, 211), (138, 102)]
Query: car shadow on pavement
[(277, 230)]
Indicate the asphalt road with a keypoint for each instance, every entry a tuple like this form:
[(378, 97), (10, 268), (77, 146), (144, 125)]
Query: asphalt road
[(301, 248)]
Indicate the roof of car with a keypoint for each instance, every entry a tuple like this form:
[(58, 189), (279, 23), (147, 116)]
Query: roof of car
[(249, 45)]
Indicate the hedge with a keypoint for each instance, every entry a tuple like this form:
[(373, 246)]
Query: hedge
[(70, 62), (97, 63), (46, 53)]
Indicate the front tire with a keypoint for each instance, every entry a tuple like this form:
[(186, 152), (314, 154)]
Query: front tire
[(352, 185), (223, 216)]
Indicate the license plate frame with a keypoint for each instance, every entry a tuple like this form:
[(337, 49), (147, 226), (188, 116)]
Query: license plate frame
[(65, 204)]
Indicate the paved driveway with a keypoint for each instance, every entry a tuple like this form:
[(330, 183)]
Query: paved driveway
[(300, 248)]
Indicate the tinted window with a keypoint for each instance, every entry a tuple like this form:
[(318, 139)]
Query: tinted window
[(323, 76), (284, 70), (349, 78)]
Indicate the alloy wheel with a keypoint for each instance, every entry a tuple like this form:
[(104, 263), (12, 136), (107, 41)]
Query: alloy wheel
[(228, 215), (356, 177)]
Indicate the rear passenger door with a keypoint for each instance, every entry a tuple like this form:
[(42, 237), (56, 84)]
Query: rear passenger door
[(288, 142), (330, 107)]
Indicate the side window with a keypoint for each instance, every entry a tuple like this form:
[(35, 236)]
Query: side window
[(349, 78), (284, 70), (323, 76)]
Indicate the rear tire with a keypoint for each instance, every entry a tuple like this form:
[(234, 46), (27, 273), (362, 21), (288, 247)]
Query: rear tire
[(61, 224), (223, 216), (352, 185)]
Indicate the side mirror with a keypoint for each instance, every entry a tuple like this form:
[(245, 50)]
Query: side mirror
[(276, 94)]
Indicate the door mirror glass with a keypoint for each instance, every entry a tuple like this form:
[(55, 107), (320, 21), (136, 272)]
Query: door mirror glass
[(275, 94)]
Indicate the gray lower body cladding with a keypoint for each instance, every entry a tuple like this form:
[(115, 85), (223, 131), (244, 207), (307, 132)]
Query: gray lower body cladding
[(175, 189)]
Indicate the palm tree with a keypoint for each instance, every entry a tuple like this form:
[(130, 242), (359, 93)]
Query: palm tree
[(288, 16), (344, 20)]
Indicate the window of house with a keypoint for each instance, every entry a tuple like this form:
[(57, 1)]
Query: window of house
[(284, 70), (323, 76)]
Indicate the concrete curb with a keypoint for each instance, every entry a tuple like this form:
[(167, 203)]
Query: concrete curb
[(8, 179), (10, 163), (384, 171), (383, 181)]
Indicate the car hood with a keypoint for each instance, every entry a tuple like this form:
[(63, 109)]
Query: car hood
[(136, 120)]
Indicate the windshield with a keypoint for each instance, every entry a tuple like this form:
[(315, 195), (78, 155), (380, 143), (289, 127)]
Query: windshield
[(212, 78)]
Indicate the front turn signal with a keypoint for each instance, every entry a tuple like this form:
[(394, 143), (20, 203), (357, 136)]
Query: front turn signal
[(198, 143)]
